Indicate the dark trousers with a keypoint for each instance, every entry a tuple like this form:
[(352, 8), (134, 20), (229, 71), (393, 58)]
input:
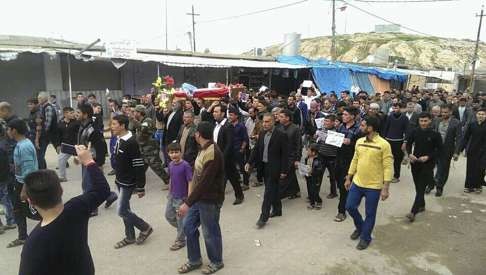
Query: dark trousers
[(232, 176), (442, 172), (423, 175), (113, 140), (41, 153), (271, 198), (240, 162), (21, 210), (293, 187), (474, 172), (372, 197), (314, 188), (396, 147), (130, 219), (329, 163), (341, 172)]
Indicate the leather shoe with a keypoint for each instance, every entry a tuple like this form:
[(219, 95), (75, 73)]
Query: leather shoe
[(260, 224), (275, 214), (238, 201), (362, 245), (428, 189), (355, 235), (110, 200), (438, 193)]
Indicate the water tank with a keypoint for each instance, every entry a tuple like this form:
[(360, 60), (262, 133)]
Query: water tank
[(291, 44)]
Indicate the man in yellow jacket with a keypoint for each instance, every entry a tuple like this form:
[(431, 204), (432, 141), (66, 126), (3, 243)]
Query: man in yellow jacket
[(369, 176)]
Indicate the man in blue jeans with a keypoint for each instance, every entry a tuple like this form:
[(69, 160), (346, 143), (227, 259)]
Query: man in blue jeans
[(369, 176), (203, 205)]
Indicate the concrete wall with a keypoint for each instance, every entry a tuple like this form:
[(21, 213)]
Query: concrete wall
[(137, 77), (86, 76), (21, 79), (52, 72)]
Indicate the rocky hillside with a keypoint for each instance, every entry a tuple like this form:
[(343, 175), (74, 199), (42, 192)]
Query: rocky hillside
[(381, 48)]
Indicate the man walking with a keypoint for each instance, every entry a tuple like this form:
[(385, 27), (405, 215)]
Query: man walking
[(25, 161), (450, 130), (394, 132), (203, 205), (350, 128), (369, 176), (130, 179), (187, 140), (49, 132), (426, 145), (271, 153), (474, 140), (294, 139), (88, 135), (240, 145), (223, 137)]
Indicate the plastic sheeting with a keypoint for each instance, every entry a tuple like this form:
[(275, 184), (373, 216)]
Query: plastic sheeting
[(379, 84), (381, 73), (332, 79), (363, 82)]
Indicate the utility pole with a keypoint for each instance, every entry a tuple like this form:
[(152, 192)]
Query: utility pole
[(193, 28), (475, 57), (333, 42), (166, 29)]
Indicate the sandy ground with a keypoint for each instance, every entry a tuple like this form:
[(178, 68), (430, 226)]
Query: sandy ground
[(449, 238)]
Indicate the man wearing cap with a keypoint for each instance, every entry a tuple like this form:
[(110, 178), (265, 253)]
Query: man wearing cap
[(148, 146)]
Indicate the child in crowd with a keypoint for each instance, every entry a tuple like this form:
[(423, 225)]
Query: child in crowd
[(328, 153), (180, 177), (314, 177), (68, 132)]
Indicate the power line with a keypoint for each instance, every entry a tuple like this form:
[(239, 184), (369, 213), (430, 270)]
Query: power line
[(253, 12), (403, 1), (384, 19)]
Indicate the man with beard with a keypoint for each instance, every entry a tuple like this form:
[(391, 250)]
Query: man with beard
[(369, 176)]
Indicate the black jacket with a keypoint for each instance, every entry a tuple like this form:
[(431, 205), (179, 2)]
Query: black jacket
[(190, 148), (225, 140), (294, 139), (277, 153), (129, 168), (467, 117), (425, 142), (475, 142), (452, 142), (172, 128), (88, 134)]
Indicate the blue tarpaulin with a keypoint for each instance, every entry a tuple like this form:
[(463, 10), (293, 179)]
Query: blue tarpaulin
[(362, 81), (340, 75), (332, 79)]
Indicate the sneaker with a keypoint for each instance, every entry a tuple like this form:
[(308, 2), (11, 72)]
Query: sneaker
[(428, 189), (111, 173), (238, 201), (256, 184), (468, 190), (478, 190), (340, 217), (355, 235), (395, 180), (63, 180), (362, 245), (294, 196), (94, 213), (260, 224), (438, 193), (318, 206), (310, 206)]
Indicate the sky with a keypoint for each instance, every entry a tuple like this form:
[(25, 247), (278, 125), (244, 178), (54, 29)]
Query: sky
[(143, 21)]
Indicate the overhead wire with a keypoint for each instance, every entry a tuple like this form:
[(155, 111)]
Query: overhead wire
[(384, 19), (253, 12)]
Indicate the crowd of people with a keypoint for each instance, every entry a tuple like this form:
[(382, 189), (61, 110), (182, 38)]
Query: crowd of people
[(196, 146)]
